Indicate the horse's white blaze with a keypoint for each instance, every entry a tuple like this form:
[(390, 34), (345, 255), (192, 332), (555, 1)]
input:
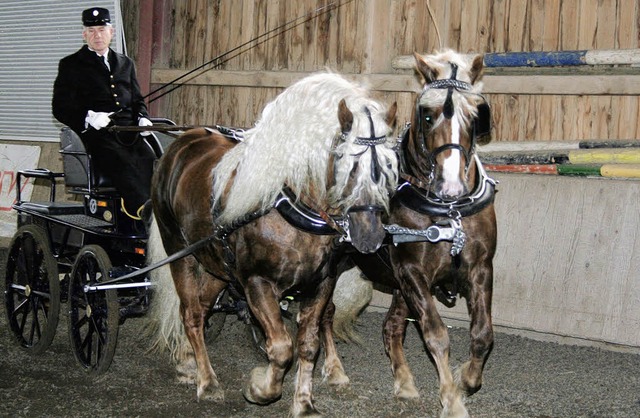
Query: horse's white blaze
[(452, 185)]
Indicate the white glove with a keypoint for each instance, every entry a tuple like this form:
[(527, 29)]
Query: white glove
[(145, 122), (97, 120)]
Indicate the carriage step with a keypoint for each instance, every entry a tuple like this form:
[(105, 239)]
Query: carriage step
[(51, 208), (85, 221)]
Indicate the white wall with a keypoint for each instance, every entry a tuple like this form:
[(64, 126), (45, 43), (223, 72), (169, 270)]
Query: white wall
[(568, 259)]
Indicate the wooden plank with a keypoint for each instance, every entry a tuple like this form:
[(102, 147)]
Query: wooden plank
[(469, 22), (499, 33), (626, 24), (570, 23), (563, 85), (453, 24), (377, 41), (554, 85), (518, 29), (552, 19), (587, 26), (536, 26), (606, 26)]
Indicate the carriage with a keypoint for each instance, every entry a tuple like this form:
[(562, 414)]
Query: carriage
[(82, 251)]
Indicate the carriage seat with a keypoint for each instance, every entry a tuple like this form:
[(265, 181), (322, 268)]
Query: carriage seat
[(79, 174)]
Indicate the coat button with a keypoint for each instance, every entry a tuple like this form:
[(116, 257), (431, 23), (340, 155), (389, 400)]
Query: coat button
[(117, 103)]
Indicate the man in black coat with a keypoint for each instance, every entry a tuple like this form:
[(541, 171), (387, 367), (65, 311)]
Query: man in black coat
[(97, 87)]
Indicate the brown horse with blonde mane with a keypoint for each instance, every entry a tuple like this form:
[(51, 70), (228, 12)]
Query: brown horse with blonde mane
[(323, 146)]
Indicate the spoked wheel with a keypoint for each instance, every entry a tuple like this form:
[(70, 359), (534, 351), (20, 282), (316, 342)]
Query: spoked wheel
[(93, 314), (32, 289), (214, 322)]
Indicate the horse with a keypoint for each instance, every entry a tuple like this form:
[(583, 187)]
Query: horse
[(322, 147), (443, 225)]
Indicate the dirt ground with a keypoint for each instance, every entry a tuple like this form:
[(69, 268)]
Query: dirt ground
[(523, 378)]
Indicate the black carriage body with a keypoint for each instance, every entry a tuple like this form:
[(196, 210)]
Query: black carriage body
[(96, 220)]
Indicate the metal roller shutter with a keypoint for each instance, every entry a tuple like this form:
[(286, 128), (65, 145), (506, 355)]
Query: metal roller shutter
[(34, 36)]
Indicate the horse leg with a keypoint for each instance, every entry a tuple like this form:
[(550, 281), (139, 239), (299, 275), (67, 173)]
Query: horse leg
[(332, 371), (197, 289), (308, 343), (436, 338), (469, 375), (265, 383), (394, 330)]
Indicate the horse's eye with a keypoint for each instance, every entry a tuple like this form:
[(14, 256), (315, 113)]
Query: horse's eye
[(428, 120)]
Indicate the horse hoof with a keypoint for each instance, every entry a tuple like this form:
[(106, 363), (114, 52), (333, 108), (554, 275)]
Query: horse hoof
[(456, 411), (306, 410), (255, 392), (407, 392), (212, 394), (337, 379), (252, 397), (467, 385)]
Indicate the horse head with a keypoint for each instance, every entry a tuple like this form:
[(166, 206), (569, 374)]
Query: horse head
[(364, 170), (451, 117)]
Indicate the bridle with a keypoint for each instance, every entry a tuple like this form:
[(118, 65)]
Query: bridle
[(370, 142), (448, 111)]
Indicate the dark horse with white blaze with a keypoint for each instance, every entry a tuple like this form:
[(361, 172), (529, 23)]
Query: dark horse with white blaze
[(444, 229), (322, 142)]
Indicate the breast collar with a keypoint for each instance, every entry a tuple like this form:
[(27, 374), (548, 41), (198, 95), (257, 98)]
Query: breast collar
[(419, 199)]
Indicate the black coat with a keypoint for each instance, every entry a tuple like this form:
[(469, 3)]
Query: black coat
[(84, 83)]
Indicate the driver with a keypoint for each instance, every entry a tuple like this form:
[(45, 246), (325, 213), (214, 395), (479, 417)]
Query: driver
[(97, 87)]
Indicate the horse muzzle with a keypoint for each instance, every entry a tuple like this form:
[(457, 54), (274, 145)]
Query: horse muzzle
[(366, 230)]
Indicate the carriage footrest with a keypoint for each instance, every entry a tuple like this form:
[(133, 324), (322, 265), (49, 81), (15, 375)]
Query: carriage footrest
[(84, 221), (52, 208)]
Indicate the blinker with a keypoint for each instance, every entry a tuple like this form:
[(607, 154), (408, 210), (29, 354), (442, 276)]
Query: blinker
[(482, 122)]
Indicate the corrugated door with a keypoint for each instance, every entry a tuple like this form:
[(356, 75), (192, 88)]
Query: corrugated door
[(34, 36)]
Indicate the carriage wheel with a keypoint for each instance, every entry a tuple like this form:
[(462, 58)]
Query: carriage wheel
[(214, 322), (94, 315), (32, 292)]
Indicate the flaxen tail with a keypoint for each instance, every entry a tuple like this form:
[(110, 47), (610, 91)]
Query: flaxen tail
[(351, 296), (163, 325)]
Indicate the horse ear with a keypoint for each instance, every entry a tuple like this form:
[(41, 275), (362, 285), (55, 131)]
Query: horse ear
[(428, 72), (391, 114), (345, 116), (477, 68)]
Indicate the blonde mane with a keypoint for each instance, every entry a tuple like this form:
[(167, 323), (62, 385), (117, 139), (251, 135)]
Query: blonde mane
[(291, 145)]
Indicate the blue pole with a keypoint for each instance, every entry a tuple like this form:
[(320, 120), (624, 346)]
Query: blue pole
[(535, 59)]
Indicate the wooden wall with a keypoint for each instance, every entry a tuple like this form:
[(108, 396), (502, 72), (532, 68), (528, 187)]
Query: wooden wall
[(567, 258), (363, 37)]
